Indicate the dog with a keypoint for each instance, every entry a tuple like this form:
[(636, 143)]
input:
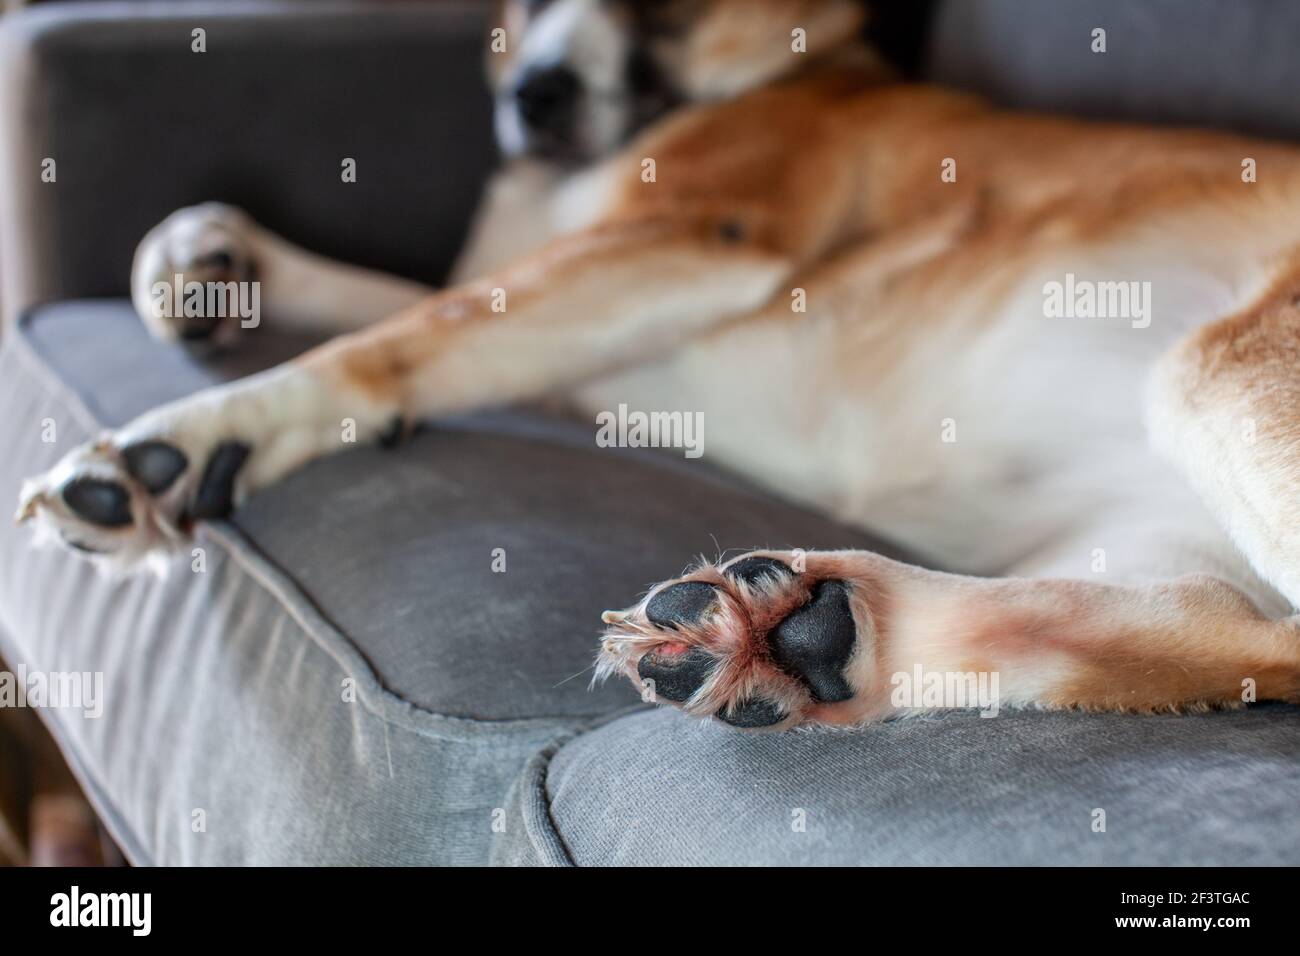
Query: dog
[(1056, 358)]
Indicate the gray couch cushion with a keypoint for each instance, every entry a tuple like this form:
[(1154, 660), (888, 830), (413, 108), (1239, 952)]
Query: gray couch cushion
[(1020, 788), (1188, 62), (225, 688)]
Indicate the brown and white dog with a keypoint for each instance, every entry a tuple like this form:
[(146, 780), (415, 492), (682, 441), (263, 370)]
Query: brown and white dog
[(853, 279)]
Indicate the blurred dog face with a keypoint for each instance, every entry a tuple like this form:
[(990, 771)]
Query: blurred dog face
[(574, 79)]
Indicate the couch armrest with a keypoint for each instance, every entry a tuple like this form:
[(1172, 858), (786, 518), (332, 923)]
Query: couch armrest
[(138, 125)]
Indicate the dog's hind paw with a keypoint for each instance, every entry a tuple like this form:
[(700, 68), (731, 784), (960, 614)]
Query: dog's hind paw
[(767, 641)]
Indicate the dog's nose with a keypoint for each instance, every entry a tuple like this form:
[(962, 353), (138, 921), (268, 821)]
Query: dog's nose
[(547, 97)]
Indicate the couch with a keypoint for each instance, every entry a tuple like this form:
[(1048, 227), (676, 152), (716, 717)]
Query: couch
[(337, 674)]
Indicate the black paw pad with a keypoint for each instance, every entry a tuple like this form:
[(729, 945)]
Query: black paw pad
[(677, 676), (216, 487), (684, 603), (754, 712), (755, 570), (220, 260), (100, 502), (198, 328), (815, 642), (155, 464)]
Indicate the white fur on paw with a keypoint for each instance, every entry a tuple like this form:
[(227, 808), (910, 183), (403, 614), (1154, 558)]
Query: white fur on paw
[(148, 526), (212, 242), (136, 492)]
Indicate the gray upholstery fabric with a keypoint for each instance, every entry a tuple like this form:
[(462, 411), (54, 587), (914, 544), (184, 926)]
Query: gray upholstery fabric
[(1021, 788), (224, 688), (1223, 63), (139, 126)]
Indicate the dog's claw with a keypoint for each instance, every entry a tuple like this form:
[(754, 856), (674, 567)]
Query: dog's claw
[(27, 509)]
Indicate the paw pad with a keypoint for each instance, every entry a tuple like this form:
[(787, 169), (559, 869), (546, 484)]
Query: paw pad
[(756, 569), (754, 643), (155, 464), (685, 603), (677, 675), (815, 642), (214, 498), (752, 712), (100, 502)]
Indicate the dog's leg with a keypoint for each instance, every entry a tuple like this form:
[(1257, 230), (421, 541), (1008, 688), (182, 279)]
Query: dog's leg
[(779, 639), (840, 638), (1225, 406), (584, 305), (216, 243)]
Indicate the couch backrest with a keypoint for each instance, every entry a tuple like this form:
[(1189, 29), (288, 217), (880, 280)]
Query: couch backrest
[(1225, 63), (140, 125)]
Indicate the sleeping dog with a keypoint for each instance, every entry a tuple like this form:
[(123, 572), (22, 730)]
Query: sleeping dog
[(1057, 357)]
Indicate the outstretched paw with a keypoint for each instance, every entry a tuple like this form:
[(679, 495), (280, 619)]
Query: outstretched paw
[(126, 496), (754, 642), (209, 243)]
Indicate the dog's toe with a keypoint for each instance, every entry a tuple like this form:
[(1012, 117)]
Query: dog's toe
[(757, 569), (155, 464), (677, 672), (100, 502), (752, 712), (684, 603)]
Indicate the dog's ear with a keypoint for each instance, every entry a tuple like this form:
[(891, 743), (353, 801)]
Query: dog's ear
[(733, 46)]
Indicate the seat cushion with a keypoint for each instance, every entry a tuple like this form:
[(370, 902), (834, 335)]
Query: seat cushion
[(655, 788), (347, 646)]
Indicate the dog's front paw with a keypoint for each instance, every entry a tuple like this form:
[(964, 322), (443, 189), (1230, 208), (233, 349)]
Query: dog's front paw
[(213, 245), (755, 643), (135, 493)]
